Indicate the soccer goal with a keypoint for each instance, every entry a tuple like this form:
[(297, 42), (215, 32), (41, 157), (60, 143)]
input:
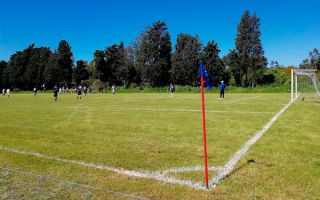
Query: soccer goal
[(310, 74)]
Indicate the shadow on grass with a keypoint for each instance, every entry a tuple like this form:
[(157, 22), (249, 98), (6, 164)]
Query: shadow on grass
[(249, 162)]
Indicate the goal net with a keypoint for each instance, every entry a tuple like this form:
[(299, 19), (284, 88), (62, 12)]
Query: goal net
[(304, 80)]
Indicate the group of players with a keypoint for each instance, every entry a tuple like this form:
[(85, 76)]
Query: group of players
[(6, 92), (222, 87), (78, 91), (59, 91)]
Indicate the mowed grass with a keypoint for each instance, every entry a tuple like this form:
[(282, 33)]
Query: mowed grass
[(133, 131), (152, 132)]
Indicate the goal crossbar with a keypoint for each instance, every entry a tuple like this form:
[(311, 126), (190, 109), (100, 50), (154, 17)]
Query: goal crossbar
[(311, 73)]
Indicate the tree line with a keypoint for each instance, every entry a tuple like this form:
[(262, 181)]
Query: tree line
[(313, 61), (150, 61)]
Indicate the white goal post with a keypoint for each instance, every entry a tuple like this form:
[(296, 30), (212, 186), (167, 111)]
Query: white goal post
[(311, 73)]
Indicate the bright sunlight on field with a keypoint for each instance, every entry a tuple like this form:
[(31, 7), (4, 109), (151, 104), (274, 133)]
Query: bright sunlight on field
[(86, 141)]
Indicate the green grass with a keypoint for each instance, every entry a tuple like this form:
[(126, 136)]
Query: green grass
[(151, 132), (189, 89), (195, 176)]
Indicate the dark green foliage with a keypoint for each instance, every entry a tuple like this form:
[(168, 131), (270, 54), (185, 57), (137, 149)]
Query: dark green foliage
[(115, 65), (51, 72), (315, 59), (37, 62), (153, 52), (313, 62), (116, 61), (249, 50), (233, 63), (93, 73), (274, 75), (3, 66), (132, 74), (80, 72), (65, 62), (34, 66), (25, 69), (17, 68), (5, 76), (149, 62), (186, 59), (267, 77), (53, 68), (305, 64), (213, 63), (103, 71), (274, 63)]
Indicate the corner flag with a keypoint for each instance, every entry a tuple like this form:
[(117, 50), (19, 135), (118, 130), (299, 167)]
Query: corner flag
[(203, 74), (206, 76)]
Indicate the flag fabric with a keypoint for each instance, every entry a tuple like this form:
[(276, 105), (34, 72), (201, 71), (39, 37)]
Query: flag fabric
[(205, 75)]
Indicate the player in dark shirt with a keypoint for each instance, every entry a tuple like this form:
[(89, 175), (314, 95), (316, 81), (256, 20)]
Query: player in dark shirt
[(55, 93), (79, 92), (222, 88)]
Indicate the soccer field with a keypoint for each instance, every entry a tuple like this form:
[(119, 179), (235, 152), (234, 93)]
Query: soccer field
[(148, 145)]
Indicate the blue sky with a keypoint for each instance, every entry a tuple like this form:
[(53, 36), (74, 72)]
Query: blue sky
[(290, 28)]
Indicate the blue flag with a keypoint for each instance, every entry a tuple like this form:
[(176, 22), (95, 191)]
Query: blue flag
[(205, 75)]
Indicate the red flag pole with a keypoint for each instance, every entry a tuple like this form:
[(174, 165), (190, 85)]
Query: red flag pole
[(204, 133)]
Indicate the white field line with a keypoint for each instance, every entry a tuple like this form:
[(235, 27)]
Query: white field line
[(229, 166), (28, 127), (54, 179), (188, 169), (172, 110), (257, 104), (240, 99), (152, 175), (186, 110), (161, 176)]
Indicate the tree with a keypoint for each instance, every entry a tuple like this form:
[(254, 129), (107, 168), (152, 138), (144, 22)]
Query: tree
[(233, 63), (32, 67), (80, 72), (213, 63), (153, 54), (243, 41), (93, 73), (133, 75), (3, 66), (186, 59), (100, 64), (64, 62), (314, 59), (120, 64), (257, 61), (313, 62), (5, 75), (38, 59), (44, 55), (305, 64), (274, 63), (116, 61), (51, 71), (17, 68), (249, 49), (25, 68)]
